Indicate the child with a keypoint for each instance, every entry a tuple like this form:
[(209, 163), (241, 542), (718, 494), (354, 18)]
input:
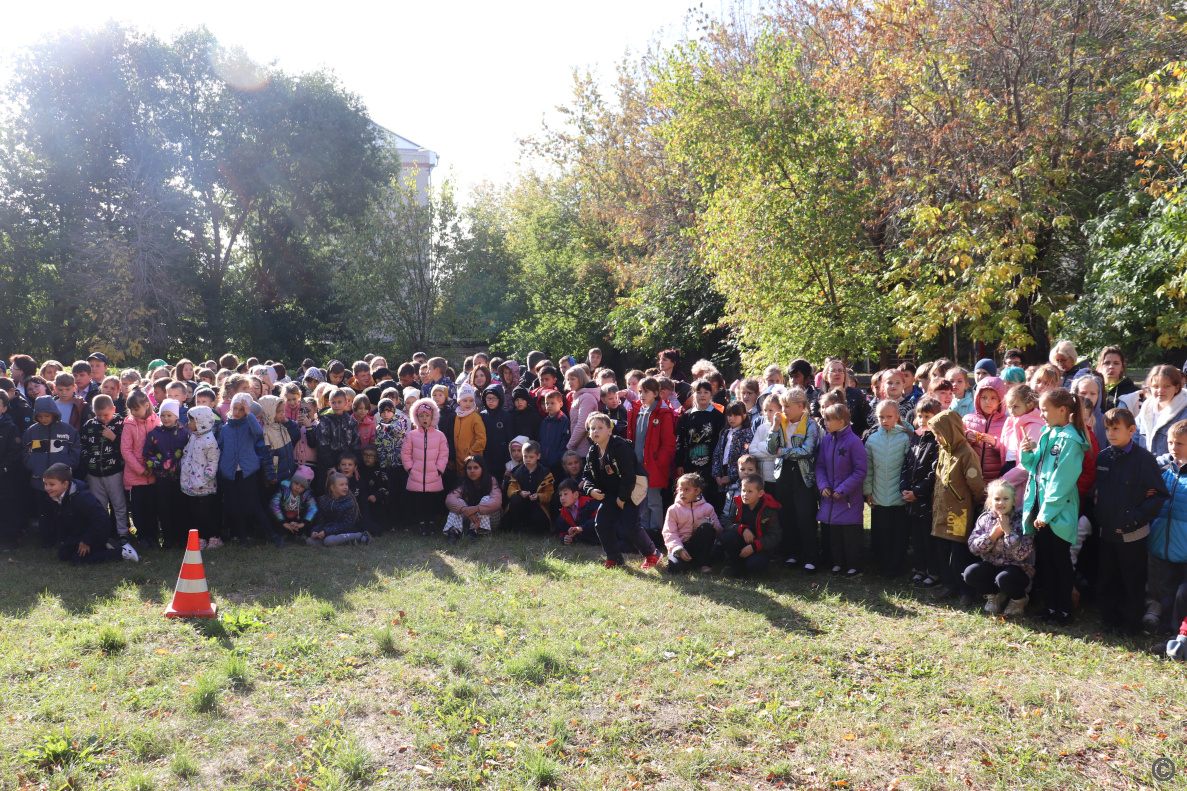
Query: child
[(12, 472), (469, 430), (886, 450), (691, 528), (962, 394), (554, 430), (348, 465), (894, 389), (984, 425), (163, 449), (613, 408), (1052, 508), (794, 441), (1168, 537), (769, 411), (304, 453), (361, 414), (575, 523), (612, 477), (243, 460), (424, 456), (1024, 420), (337, 516), (958, 489), (497, 422), (473, 502), (138, 479), (278, 436), (179, 393), (652, 428), (291, 393), (199, 477), (48, 441), (337, 432), (529, 493), (1045, 378), (748, 547), (1129, 494), (1166, 406), (1006, 564), (525, 417), (75, 517), (732, 445), (102, 460), (445, 424), (438, 370), (697, 433), (840, 477), (917, 483), (293, 507), (375, 506), (1120, 391)]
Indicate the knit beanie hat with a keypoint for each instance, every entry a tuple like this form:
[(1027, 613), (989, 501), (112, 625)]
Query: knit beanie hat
[(171, 405), (303, 476), (986, 365)]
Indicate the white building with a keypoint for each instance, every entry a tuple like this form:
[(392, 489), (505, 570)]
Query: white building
[(416, 161)]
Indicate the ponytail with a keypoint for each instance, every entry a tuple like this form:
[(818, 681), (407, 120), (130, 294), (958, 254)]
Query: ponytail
[(1061, 397), (136, 398)]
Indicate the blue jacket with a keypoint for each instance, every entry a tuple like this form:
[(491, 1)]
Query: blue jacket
[(241, 448), (1123, 510), (1168, 533), (554, 438), (46, 445), (336, 516)]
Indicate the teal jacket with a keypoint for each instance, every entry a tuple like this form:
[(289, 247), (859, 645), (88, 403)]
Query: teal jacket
[(1168, 533), (1054, 466), (885, 451), (963, 406)]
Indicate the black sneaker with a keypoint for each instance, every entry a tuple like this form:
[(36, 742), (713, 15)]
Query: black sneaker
[(967, 600), (729, 571), (453, 538), (1058, 619), (852, 574)]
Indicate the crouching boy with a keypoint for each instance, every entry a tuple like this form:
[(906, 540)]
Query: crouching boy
[(77, 519), (747, 548)]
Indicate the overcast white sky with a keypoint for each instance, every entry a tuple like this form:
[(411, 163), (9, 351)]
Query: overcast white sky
[(465, 78)]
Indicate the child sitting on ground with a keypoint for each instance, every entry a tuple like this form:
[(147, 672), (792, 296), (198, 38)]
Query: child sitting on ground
[(529, 493), (690, 526), (575, 522), (747, 548), (1006, 566), (77, 519), (747, 465), (337, 516), (294, 507), (473, 502)]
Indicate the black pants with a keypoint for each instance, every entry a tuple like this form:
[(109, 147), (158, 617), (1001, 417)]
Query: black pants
[(612, 521), (846, 545), (143, 505), (12, 525), (926, 558), (204, 515), (425, 507), (799, 501), (172, 511), (397, 499), (524, 515), (699, 547), (1054, 567), (729, 549), (987, 578), (1122, 583), (893, 533), (954, 557), (96, 555), (712, 494)]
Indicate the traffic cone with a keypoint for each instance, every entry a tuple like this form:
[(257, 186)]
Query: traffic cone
[(192, 597)]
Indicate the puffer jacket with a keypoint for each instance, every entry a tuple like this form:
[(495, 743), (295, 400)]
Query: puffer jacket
[(132, 449), (885, 453), (586, 401), (991, 457), (919, 474), (389, 440), (163, 451), (46, 445), (100, 456), (335, 435), (199, 462), (1015, 548), (288, 507), (681, 520), (789, 447), (279, 438), (1055, 465), (1168, 533), (727, 466), (469, 439), (1153, 423), (842, 468), (959, 483), (242, 449), (758, 449), (425, 453)]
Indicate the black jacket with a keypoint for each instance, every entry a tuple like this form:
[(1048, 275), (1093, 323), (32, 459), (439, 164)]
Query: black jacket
[(1112, 397), (1123, 510), (696, 439), (78, 518), (498, 424), (919, 473), (614, 474), (12, 453), (101, 456), (524, 423), (21, 411)]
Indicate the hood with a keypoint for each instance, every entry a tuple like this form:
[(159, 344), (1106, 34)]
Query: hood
[(204, 419), (521, 392), (995, 384), (521, 440), (46, 404), (268, 406), (949, 429), (513, 367), (498, 391), (422, 403)]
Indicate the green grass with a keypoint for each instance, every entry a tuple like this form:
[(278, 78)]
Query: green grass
[(513, 664)]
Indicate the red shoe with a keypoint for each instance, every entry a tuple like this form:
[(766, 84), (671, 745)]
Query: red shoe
[(650, 562), (611, 563)]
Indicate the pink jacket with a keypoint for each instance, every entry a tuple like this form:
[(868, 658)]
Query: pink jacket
[(366, 430), (302, 453), (586, 401), (681, 520), (425, 453), (488, 505), (1030, 425), (132, 449), (992, 457)]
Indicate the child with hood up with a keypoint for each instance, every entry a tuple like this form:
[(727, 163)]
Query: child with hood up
[(48, 441), (425, 456), (497, 422), (278, 436), (984, 425), (163, 450), (525, 416), (959, 487), (199, 477)]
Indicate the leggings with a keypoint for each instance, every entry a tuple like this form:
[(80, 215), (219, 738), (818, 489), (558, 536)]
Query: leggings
[(143, 503)]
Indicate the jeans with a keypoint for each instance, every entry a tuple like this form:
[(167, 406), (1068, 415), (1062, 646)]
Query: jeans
[(109, 491)]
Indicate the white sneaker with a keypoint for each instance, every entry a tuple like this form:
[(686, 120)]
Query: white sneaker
[(1016, 606), (994, 602), (214, 543), (129, 553), (790, 561)]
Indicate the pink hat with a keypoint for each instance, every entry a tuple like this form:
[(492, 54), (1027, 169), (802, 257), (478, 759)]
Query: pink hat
[(303, 476)]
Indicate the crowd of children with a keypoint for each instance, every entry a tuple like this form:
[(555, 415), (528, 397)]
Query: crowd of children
[(1062, 481)]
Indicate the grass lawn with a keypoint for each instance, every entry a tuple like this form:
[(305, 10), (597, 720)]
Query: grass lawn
[(516, 664)]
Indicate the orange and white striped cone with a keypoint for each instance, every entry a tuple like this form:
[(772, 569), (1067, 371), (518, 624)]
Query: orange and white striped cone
[(192, 597)]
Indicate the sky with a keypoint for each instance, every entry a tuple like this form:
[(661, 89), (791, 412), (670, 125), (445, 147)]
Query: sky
[(465, 78)]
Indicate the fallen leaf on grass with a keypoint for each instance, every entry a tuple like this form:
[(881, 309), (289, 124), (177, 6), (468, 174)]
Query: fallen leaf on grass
[(424, 770)]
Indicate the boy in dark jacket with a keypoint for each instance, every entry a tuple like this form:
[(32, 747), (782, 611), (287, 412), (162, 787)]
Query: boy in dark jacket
[(377, 505), (74, 517), (103, 462), (613, 407), (47, 442), (498, 424), (336, 433), (1129, 495), (554, 431), (747, 549), (529, 493), (12, 478), (575, 523), (525, 418), (918, 482)]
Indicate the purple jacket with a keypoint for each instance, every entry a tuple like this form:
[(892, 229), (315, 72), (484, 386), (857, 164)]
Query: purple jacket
[(841, 467)]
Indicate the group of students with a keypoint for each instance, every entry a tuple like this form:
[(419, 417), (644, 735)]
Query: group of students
[(1061, 480)]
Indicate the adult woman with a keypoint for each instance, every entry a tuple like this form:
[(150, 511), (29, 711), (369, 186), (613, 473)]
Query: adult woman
[(609, 478), (184, 372), (1111, 366), (669, 364), (837, 376), (587, 399), (1064, 357)]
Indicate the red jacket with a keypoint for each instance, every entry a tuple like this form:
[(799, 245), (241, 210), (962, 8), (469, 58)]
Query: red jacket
[(659, 447), (771, 533)]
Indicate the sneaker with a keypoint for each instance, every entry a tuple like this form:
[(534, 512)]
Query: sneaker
[(609, 564), (835, 570), (852, 574), (1151, 618), (928, 583), (215, 543), (129, 553), (650, 562), (706, 569), (918, 577), (424, 531), (808, 568), (1058, 618), (994, 602), (790, 561), (729, 571), (1016, 606), (453, 538), (365, 539)]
